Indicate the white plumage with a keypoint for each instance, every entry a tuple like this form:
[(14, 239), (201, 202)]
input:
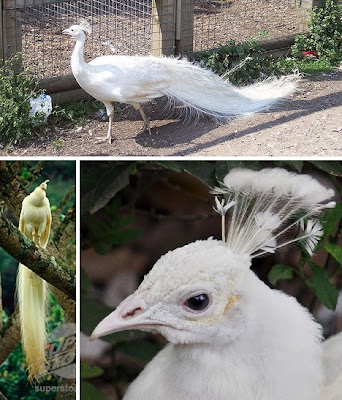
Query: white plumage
[(231, 336), (35, 223), (136, 80)]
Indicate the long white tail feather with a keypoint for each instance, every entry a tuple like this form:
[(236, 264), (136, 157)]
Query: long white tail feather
[(203, 92), (32, 294), (266, 204)]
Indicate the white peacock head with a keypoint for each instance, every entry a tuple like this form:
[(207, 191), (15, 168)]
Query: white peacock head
[(200, 292), (77, 31), (203, 293)]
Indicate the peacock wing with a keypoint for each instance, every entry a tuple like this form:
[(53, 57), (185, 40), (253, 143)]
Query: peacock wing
[(46, 232)]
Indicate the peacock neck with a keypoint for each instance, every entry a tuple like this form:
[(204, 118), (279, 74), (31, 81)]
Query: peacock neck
[(78, 64), (38, 197)]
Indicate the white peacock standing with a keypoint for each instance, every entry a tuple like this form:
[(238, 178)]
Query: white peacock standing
[(231, 336), (135, 80)]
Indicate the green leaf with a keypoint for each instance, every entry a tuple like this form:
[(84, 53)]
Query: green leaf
[(297, 165), (99, 184), (322, 287), (88, 371), (280, 271), (334, 250), (171, 165), (90, 392), (120, 179), (202, 170), (332, 167), (330, 219)]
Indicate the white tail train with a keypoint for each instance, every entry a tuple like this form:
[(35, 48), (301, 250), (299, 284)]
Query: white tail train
[(135, 80)]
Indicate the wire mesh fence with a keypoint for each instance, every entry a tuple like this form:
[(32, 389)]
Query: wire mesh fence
[(216, 22), (131, 27), (118, 27)]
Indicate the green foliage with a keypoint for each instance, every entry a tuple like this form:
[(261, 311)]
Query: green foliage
[(246, 61), (74, 111), (16, 89), (243, 60), (99, 189), (326, 30), (322, 287), (90, 392), (280, 271), (325, 36)]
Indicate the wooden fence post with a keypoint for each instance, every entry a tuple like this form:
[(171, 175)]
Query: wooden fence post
[(1, 34), (184, 26), (307, 6), (163, 27), (172, 27), (12, 29)]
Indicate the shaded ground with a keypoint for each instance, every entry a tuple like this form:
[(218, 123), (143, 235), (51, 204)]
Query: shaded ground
[(308, 124)]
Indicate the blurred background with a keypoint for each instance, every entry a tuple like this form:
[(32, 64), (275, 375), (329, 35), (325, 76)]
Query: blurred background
[(29, 174), (134, 212)]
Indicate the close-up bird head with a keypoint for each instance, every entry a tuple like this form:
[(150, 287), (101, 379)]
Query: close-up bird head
[(201, 303), (208, 295), (77, 31)]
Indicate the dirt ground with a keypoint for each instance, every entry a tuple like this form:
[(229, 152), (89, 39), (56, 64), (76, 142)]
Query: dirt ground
[(306, 125)]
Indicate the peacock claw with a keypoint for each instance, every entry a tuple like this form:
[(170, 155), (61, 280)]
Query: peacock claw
[(146, 127), (104, 139)]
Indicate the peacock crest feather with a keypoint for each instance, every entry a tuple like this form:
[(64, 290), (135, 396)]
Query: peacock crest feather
[(263, 208)]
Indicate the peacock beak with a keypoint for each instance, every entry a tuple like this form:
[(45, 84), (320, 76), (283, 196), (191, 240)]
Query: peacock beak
[(130, 314), (66, 32)]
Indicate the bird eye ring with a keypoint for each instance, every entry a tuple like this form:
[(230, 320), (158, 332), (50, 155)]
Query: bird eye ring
[(198, 303)]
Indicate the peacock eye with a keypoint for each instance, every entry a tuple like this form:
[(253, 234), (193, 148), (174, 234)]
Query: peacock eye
[(198, 303)]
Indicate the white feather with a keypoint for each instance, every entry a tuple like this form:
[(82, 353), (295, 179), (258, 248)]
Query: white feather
[(267, 203), (136, 80), (248, 342)]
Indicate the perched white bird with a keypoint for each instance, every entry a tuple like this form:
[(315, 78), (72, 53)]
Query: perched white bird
[(35, 223), (231, 336), (136, 80)]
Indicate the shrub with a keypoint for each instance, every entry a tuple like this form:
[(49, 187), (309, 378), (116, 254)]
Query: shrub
[(326, 30), (16, 89)]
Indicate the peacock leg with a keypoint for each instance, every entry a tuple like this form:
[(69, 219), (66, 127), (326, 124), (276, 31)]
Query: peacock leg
[(110, 113), (139, 108)]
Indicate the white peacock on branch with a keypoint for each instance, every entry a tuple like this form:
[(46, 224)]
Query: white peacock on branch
[(136, 80), (32, 290), (231, 336)]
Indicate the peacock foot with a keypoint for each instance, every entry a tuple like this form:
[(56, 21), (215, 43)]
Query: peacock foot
[(146, 127), (104, 139)]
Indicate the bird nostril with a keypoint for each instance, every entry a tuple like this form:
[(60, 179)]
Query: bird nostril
[(131, 313)]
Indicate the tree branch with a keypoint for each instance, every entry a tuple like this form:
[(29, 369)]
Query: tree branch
[(9, 336), (2, 397), (53, 270)]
